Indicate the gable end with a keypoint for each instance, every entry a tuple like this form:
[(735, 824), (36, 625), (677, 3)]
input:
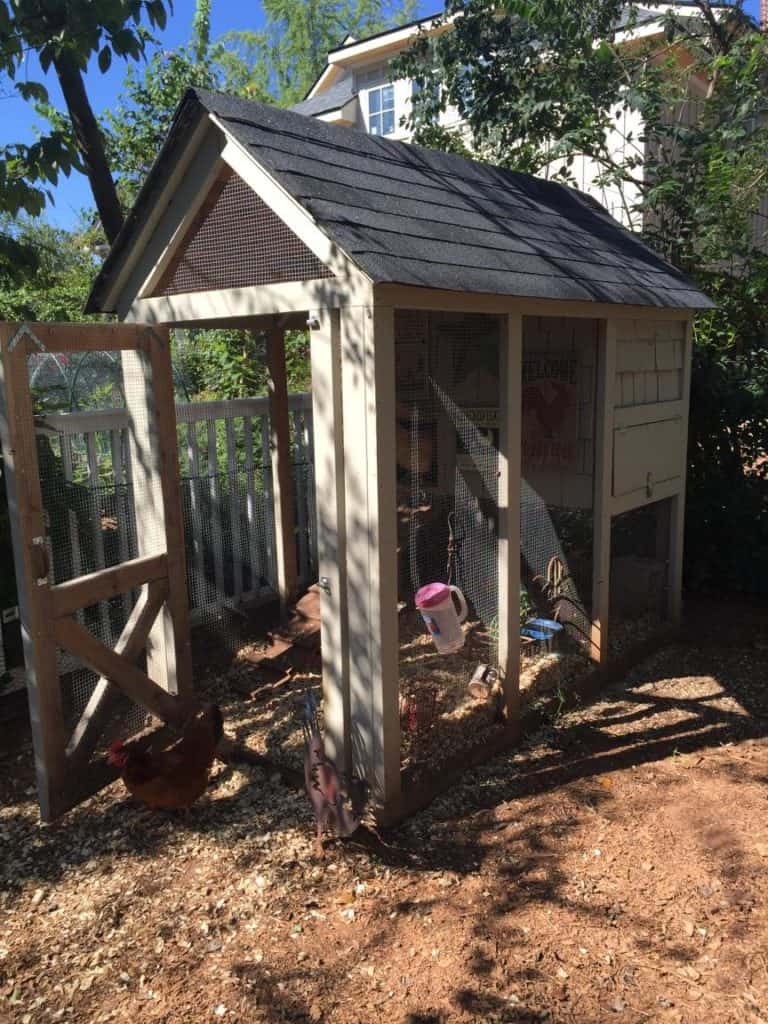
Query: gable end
[(237, 241)]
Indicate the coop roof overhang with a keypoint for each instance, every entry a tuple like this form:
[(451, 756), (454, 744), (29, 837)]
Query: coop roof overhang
[(391, 213)]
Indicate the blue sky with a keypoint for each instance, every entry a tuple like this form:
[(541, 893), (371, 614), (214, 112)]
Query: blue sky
[(19, 119)]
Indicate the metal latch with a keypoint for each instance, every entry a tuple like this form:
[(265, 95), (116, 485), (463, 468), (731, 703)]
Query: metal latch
[(40, 563)]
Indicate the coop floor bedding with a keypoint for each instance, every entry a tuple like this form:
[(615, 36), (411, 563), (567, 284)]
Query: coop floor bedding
[(629, 630), (439, 717)]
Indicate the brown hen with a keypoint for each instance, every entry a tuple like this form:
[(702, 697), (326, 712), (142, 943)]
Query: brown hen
[(172, 779)]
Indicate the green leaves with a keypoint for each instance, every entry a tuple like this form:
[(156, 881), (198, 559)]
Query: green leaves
[(34, 91), (521, 80), (105, 59), (157, 14), (44, 272), (62, 32)]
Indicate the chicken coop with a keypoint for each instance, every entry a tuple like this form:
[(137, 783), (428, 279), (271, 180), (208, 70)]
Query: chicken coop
[(500, 387)]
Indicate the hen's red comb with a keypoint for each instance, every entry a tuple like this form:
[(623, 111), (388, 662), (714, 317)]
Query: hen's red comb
[(116, 755)]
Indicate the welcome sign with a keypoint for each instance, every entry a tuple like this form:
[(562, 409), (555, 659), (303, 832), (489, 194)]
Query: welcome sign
[(550, 409)]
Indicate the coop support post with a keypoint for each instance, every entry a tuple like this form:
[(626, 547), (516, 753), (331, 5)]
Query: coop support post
[(510, 465), (282, 477), (368, 390), (325, 354), (677, 511), (149, 399), (603, 487), (25, 505)]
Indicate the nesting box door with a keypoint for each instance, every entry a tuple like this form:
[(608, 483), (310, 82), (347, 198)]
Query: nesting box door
[(650, 414), (646, 455)]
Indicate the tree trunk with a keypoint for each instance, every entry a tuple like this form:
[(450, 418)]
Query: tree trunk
[(90, 145)]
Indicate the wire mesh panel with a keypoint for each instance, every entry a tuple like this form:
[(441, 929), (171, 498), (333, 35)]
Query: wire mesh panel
[(97, 541), (640, 574), (88, 504), (103, 514), (236, 241), (558, 455), (447, 468)]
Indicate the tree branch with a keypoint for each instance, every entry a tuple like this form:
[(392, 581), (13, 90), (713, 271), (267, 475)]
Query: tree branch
[(90, 145)]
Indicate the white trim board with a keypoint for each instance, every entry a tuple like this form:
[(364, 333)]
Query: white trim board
[(412, 297), (239, 303)]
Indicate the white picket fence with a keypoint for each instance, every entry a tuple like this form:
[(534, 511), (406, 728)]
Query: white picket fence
[(227, 496)]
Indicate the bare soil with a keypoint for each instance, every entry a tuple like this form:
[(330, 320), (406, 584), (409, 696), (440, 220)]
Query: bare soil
[(614, 867)]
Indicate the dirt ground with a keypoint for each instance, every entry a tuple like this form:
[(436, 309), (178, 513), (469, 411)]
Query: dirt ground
[(613, 868)]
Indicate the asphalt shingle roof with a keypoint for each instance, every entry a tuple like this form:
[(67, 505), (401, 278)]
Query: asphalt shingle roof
[(332, 99), (413, 216)]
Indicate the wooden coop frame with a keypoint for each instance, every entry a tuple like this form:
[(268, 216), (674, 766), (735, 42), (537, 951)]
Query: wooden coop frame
[(350, 311), (158, 624)]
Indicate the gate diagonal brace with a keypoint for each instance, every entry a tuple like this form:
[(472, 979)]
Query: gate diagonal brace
[(130, 645), (114, 667)]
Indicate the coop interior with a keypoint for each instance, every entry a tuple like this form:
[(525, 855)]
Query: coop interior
[(640, 575), (448, 418)]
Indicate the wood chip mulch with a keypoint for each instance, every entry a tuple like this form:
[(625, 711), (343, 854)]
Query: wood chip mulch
[(613, 868)]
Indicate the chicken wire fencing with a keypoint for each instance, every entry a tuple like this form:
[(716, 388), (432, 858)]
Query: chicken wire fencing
[(237, 241), (86, 474), (559, 373), (640, 574), (447, 399), (88, 506)]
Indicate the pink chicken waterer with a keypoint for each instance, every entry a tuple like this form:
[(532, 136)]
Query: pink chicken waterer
[(437, 607)]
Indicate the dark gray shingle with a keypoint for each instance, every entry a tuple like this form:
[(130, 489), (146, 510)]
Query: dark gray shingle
[(332, 99), (412, 216)]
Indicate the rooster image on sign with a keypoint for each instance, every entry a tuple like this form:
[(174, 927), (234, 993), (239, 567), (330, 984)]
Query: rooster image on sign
[(550, 410)]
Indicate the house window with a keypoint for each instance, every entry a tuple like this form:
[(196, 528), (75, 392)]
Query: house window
[(381, 110)]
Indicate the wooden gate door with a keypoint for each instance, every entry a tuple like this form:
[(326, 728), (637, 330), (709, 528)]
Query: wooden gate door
[(100, 572)]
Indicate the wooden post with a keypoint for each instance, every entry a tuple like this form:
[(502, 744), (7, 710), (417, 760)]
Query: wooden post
[(677, 511), (510, 466), (149, 399), (28, 531), (302, 456), (282, 476), (368, 393), (603, 490), (325, 347)]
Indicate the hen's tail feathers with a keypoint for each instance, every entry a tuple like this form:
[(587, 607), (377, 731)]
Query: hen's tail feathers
[(216, 719)]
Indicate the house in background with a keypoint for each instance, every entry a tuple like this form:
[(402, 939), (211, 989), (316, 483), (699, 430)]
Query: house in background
[(354, 90)]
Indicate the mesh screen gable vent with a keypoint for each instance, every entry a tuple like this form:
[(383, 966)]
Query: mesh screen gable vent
[(237, 241)]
